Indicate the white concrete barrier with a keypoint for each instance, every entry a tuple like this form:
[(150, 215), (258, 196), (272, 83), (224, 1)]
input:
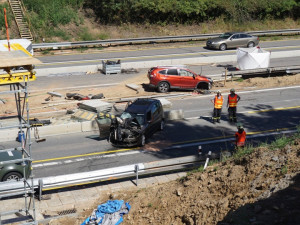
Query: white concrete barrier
[(148, 64)]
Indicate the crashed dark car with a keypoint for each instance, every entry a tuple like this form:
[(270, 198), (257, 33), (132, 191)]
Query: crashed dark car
[(138, 122)]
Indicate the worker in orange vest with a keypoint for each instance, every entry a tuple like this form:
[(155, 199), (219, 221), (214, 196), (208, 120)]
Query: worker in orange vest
[(232, 101), (240, 137), (218, 103)]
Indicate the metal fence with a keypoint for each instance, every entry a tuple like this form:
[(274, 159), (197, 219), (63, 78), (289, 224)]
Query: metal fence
[(155, 39), (133, 170)]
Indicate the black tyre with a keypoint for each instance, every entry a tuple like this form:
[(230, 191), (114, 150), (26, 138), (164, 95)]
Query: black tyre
[(12, 176), (223, 47), (142, 140), (250, 44), (163, 87), (162, 125)]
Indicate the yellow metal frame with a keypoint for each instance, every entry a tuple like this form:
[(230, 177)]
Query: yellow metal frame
[(16, 77)]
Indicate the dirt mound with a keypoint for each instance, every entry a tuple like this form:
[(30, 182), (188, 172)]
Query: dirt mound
[(260, 188), (220, 193)]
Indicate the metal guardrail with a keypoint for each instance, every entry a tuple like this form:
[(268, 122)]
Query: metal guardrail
[(154, 39), (269, 70), (54, 182)]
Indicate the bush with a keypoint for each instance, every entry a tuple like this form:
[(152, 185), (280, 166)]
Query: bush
[(192, 11), (53, 13)]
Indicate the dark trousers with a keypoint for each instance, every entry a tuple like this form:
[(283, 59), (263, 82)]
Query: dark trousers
[(232, 113), (217, 114)]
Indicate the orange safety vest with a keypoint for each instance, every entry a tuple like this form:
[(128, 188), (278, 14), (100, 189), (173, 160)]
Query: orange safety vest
[(232, 100), (218, 102), (240, 138)]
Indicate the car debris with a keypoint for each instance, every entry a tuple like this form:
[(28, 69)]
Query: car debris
[(77, 96), (53, 94), (134, 87)]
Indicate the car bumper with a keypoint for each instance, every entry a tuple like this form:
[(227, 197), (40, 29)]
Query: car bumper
[(213, 46)]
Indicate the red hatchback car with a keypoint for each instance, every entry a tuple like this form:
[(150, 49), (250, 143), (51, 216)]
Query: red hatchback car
[(164, 78)]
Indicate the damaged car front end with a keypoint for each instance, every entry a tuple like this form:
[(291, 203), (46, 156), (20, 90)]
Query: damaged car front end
[(139, 120), (127, 130)]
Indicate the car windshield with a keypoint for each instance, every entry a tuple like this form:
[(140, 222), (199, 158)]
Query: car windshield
[(139, 117), (225, 35)]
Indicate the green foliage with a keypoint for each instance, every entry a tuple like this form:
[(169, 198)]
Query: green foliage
[(280, 142), (192, 11), (9, 16), (47, 14), (247, 150), (284, 170)]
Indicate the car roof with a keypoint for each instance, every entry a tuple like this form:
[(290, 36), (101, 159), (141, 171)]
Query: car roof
[(141, 105), (10, 155)]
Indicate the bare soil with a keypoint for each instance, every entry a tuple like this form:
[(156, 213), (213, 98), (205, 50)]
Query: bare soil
[(258, 189)]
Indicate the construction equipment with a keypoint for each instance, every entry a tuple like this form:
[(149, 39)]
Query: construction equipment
[(16, 79)]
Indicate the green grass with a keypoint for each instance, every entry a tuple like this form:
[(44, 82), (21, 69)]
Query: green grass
[(284, 170)]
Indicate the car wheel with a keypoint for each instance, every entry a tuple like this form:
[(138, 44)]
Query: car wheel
[(162, 125), (250, 44), (163, 87), (223, 47), (12, 176), (143, 140)]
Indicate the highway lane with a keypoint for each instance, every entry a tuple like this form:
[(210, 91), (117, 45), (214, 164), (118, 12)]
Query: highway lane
[(259, 111), (101, 80), (146, 54)]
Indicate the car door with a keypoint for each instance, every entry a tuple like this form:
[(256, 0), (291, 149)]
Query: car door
[(173, 77), (235, 41), (187, 79), (104, 124)]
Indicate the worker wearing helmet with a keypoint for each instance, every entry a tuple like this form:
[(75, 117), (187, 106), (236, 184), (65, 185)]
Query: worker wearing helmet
[(233, 99), (240, 137), (218, 103)]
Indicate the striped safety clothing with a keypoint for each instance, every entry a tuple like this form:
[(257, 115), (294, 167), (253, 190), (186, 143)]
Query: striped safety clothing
[(240, 138), (232, 100), (218, 102)]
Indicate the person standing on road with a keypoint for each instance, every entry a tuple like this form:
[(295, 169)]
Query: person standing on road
[(218, 103), (232, 101), (240, 137)]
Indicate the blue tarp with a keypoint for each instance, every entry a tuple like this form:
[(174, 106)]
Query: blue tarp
[(109, 213)]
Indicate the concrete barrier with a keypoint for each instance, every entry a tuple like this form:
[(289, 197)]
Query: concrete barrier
[(148, 64), (68, 128)]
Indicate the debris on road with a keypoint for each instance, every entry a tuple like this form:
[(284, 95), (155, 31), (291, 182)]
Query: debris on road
[(78, 96), (53, 94), (110, 212), (134, 87)]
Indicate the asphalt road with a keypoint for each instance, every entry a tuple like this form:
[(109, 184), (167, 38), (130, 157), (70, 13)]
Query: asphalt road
[(68, 81), (153, 53), (260, 111)]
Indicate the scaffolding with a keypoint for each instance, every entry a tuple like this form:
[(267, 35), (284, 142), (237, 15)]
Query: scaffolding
[(17, 71)]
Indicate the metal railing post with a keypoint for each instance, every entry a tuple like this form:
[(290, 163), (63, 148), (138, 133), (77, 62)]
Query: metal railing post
[(207, 160), (40, 189), (137, 174), (199, 150)]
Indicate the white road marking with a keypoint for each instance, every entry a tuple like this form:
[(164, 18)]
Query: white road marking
[(228, 139), (252, 91), (85, 158), (75, 87)]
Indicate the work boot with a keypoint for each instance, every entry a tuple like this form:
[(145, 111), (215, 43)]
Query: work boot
[(218, 121)]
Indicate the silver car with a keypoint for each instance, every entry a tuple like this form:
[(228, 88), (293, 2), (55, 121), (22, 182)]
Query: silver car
[(232, 40)]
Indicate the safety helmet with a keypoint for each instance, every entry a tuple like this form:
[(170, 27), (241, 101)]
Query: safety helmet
[(239, 125), (218, 91), (232, 90)]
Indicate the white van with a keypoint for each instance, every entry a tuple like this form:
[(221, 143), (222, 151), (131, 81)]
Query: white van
[(17, 44)]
